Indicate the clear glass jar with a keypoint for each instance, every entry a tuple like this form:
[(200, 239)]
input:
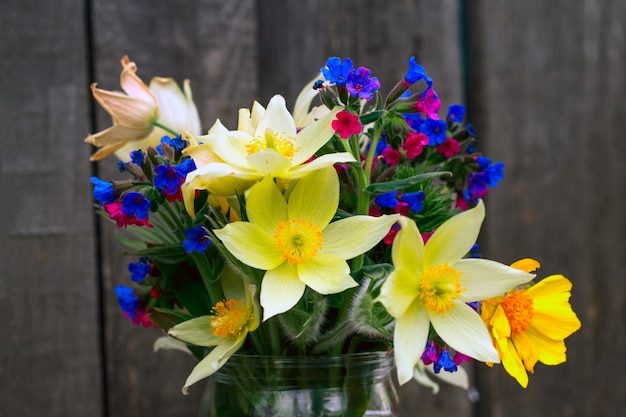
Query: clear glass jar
[(352, 385)]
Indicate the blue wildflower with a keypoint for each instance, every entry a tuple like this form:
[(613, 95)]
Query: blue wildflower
[(177, 143), (336, 71), (435, 130), (186, 167), (413, 120), (387, 200), (470, 130), (121, 166), (139, 270), (456, 113), (135, 203), (493, 172), (360, 84), (102, 191), (445, 362), (318, 84), (196, 239), (416, 72), (431, 353), (137, 157), (168, 179), (127, 300), (415, 200)]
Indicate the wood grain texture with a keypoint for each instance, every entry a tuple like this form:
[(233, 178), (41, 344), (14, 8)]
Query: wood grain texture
[(212, 43), (49, 348), (548, 84)]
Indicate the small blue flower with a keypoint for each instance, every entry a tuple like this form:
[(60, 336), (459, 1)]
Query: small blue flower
[(135, 203), (336, 71), (137, 157), (470, 130), (121, 166), (177, 143), (360, 84), (196, 239), (387, 200), (435, 130), (415, 200), (186, 167), (318, 84), (139, 270), (456, 113), (445, 362), (127, 300), (417, 72), (103, 191), (168, 179)]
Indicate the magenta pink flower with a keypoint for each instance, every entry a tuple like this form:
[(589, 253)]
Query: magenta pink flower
[(414, 144), (430, 104), (122, 220), (391, 156), (346, 124), (449, 148)]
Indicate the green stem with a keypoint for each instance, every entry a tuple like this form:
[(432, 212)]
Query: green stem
[(166, 128), (206, 272)]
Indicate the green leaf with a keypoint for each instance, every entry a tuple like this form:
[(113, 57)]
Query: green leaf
[(172, 253), (368, 118), (385, 187), (187, 286)]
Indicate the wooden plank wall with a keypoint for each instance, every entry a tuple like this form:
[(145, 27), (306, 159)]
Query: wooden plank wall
[(545, 84)]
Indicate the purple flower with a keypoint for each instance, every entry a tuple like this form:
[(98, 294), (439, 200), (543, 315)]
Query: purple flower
[(387, 200), (456, 113), (435, 130), (416, 72), (103, 191), (168, 179), (135, 203), (415, 200), (139, 270), (127, 300), (196, 239), (360, 84), (431, 353), (336, 71), (445, 362)]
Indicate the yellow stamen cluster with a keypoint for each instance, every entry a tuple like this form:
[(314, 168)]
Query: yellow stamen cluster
[(299, 240), (439, 287), (518, 308), (229, 318), (280, 142)]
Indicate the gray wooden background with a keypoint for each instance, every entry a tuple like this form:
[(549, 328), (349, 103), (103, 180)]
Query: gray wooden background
[(545, 83)]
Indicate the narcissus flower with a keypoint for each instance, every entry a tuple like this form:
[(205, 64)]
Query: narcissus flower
[(226, 327), (136, 111), (530, 325), (431, 285), (295, 242), (267, 143)]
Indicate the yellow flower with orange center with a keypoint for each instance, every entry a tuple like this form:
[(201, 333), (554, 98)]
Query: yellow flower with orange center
[(530, 325)]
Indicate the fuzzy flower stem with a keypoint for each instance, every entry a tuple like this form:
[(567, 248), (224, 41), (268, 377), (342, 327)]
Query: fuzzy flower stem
[(211, 284), (166, 128)]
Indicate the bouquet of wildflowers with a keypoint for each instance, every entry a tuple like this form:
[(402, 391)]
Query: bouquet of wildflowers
[(346, 225)]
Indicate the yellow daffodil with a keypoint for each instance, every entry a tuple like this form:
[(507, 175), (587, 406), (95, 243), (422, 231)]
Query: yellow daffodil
[(431, 285), (225, 328), (268, 143), (136, 111), (530, 325), (295, 242)]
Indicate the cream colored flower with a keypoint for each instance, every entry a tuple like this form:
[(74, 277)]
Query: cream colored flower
[(138, 108)]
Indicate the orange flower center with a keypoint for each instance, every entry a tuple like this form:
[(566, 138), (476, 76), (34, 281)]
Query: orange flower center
[(279, 142), (229, 318), (518, 308), (299, 240), (440, 287)]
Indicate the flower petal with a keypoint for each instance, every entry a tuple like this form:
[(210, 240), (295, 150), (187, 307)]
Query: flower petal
[(281, 289), (266, 206), (251, 245), (132, 84), (269, 162), (128, 111), (176, 111), (407, 250), (326, 274), (315, 197), (409, 340), (323, 161), (512, 363), (197, 331), (355, 235), (213, 361), (310, 139), (454, 238), (463, 329), (230, 146), (276, 118), (485, 278), (399, 291)]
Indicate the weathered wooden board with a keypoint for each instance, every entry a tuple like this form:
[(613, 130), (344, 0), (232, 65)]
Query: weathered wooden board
[(212, 43), (547, 88), (50, 360)]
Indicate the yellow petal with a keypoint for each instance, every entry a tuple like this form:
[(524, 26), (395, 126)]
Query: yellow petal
[(251, 245), (355, 235), (549, 351), (315, 197), (407, 250), (513, 364), (196, 331), (326, 274), (323, 161), (276, 118), (399, 291), (409, 341), (484, 278), (454, 238), (310, 139), (526, 264), (269, 162), (213, 361), (281, 289), (266, 206)]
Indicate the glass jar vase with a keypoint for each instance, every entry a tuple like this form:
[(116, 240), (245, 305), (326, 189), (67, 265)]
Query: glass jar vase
[(352, 385)]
